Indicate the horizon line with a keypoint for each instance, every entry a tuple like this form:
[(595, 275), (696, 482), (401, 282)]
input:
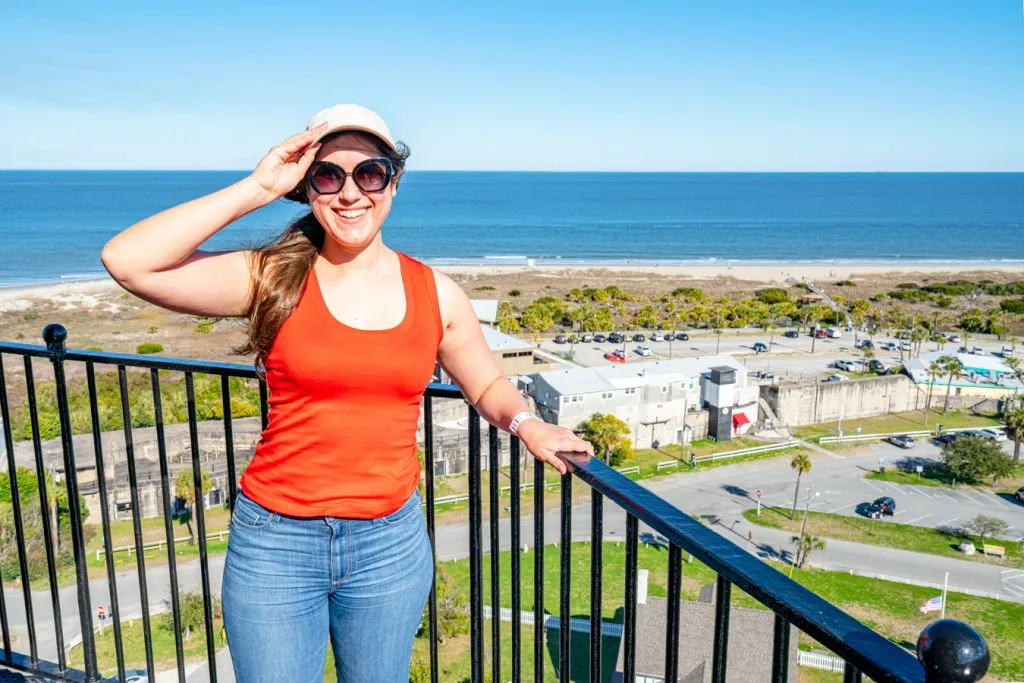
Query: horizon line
[(518, 170)]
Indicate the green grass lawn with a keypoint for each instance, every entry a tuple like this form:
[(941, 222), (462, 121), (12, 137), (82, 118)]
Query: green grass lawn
[(883, 533), (890, 608), (932, 476), (913, 420)]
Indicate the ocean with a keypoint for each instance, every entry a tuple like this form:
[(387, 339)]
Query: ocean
[(53, 224)]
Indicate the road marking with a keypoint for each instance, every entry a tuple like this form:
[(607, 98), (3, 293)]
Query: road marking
[(870, 484), (842, 507), (893, 487), (1010, 573), (899, 512), (985, 500), (964, 495), (1014, 590), (922, 493), (917, 519), (948, 521)]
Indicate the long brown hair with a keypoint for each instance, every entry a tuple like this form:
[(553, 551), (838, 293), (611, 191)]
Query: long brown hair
[(279, 267)]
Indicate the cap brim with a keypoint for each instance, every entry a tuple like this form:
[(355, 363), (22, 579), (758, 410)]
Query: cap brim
[(362, 129)]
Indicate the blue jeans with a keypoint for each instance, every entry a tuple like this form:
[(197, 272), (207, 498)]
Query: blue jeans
[(290, 582)]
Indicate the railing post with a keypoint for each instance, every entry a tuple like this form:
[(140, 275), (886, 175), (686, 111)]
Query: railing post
[(952, 652), (54, 335)]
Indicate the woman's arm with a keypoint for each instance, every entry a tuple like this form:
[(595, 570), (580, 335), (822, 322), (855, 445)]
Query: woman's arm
[(159, 259), (467, 359)]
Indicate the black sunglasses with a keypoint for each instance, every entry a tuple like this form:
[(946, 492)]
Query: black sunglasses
[(372, 175)]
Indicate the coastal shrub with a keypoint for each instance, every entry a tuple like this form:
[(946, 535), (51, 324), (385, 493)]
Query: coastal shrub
[(617, 293), (485, 288), (772, 295), (910, 295), (1012, 305), (514, 292), (203, 328), (149, 347), (689, 293), (846, 283), (908, 285), (30, 315), (151, 329), (944, 301), (1015, 288), (951, 288)]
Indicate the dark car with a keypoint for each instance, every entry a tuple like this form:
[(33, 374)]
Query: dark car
[(760, 347), (882, 506), (682, 336), (639, 337), (667, 336), (946, 437), (1020, 495), (561, 339), (865, 344), (792, 334), (600, 338), (616, 338), (902, 440)]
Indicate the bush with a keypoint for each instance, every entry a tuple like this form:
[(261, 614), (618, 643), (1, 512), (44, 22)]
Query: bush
[(973, 459), (151, 329), (1012, 305), (485, 288), (149, 347), (846, 283), (514, 292), (951, 288), (203, 328), (30, 315), (772, 295), (688, 293), (908, 285), (910, 295)]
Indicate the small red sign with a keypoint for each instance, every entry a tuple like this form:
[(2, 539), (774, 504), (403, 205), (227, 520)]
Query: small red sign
[(101, 611), (757, 493)]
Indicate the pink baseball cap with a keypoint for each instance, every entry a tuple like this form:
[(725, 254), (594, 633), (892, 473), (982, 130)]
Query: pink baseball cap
[(352, 117)]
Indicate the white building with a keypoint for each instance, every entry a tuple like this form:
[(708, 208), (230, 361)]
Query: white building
[(982, 375), (654, 398)]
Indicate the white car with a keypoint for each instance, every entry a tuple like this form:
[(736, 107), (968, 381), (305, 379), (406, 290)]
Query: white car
[(954, 338), (992, 434), (1007, 352), (835, 378), (656, 336), (833, 333), (643, 350), (905, 344), (847, 365)]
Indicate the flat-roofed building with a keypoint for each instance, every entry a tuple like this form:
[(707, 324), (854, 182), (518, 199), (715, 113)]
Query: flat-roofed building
[(657, 399), (985, 376)]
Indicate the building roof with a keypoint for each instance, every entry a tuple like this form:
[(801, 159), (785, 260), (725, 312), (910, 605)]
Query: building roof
[(486, 309), (499, 341), (989, 366), (624, 376)]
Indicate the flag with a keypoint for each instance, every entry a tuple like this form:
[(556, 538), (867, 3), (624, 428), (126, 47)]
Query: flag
[(932, 605)]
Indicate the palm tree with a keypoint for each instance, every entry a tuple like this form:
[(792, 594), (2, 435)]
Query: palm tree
[(934, 372), (917, 337), (805, 545), (868, 355), (716, 324), (1014, 418), (952, 366), (802, 464)]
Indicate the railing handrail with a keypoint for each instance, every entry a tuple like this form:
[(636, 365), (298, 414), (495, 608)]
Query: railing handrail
[(872, 653)]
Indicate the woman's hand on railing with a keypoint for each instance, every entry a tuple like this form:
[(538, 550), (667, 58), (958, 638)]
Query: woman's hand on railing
[(557, 446), (284, 166)]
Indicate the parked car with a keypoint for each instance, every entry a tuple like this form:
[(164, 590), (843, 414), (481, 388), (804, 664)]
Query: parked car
[(760, 347), (833, 333), (764, 374), (657, 336), (878, 366), (1007, 352), (791, 334), (954, 338), (820, 334), (865, 344), (847, 365), (600, 338), (638, 337), (902, 441), (682, 336), (561, 339), (881, 506), (834, 378), (616, 338), (1020, 495), (667, 336), (586, 338), (992, 434), (947, 437), (889, 346), (974, 350), (905, 345), (616, 356), (643, 350)]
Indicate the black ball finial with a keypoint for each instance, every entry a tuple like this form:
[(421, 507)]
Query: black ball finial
[(54, 333), (952, 652)]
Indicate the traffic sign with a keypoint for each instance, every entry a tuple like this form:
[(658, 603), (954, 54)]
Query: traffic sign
[(757, 493), (101, 612)]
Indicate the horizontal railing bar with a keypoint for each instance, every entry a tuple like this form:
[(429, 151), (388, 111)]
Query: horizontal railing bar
[(20, 662), (871, 652)]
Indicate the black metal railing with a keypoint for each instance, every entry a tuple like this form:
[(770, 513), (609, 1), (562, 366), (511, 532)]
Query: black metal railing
[(950, 651)]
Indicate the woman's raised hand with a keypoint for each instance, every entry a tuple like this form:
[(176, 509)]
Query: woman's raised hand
[(285, 165)]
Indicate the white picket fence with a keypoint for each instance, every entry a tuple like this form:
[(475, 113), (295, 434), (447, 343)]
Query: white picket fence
[(782, 445), (666, 464), (820, 660)]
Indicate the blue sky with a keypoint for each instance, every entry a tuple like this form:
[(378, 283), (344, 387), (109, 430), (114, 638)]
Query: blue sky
[(866, 85)]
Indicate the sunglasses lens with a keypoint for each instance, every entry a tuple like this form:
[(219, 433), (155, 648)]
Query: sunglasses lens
[(326, 179), (372, 176)]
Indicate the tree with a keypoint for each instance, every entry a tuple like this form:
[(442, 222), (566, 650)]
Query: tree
[(1014, 418), (802, 464), (934, 371), (805, 545), (972, 459), (609, 435), (452, 611), (868, 355), (184, 488), (985, 526), (951, 366)]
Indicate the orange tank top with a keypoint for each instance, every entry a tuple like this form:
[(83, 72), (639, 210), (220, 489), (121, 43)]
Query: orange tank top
[(344, 404)]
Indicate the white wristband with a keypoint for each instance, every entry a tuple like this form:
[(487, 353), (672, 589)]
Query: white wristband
[(519, 419)]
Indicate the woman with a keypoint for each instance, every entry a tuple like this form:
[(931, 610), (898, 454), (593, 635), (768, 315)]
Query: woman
[(327, 535)]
